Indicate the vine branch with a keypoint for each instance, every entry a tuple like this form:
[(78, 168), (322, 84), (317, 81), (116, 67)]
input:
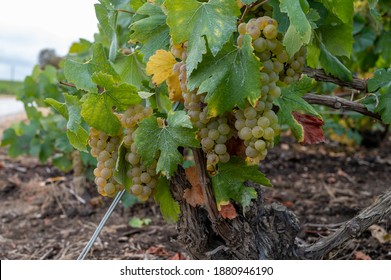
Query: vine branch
[(339, 103), (351, 229), (321, 76)]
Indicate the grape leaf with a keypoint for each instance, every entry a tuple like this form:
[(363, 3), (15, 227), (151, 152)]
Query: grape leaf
[(381, 78), (280, 17), (70, 110), (107, 22), (382, 46), (168, 206), (299, 31), (160, 66), (384, 107), (151, 30), (228, 183), (131, 69), (230, 78), (343, 9), (152, 140), (80, 74), (19, 138), (136, 4), (191, 20), (97, 109), (313, 133), (332, 65), (291, 101), (338, 39), (121, 168)]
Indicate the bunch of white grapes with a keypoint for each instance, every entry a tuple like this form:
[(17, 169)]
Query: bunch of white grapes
[(105, 149), (144, 178)]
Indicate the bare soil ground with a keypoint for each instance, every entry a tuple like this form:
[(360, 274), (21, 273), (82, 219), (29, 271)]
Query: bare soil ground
[(325, 185)]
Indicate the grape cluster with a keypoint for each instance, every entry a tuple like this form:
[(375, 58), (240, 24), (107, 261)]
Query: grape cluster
[(294, 67), (212, 132), (257, 126), (105, 149), (144, 178)]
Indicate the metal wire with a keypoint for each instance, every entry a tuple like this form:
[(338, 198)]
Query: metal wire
[(102, 223)]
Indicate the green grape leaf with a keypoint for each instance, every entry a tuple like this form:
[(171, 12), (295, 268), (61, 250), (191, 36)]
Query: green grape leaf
[(136, 4), (191, 20), (338, 39), (78, 138), (152, 140), (168, 206), (230, 78), (383, 45), (107, 20), (81, 47), (280, 17), (70, 110), (97, 109), (228, 183), (80, 74), (19, 137), (332, 65), (121, 168), (299, 31), (151, 30), (384, 107), (74, 109), (59, 107), (291, 101), (363, 40), (343, 9), (131, 69), (381, 78)]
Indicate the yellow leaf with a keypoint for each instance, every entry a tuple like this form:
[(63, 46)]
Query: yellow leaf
[(160, 66), (174, 88)]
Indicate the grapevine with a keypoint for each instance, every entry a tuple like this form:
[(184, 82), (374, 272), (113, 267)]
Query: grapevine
[(168, 85)]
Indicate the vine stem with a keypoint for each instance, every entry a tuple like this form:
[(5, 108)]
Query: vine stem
[(67, 84), (126, 11), (336, 102), (249, 7), (350, 229), (102, 223), (321, 76)]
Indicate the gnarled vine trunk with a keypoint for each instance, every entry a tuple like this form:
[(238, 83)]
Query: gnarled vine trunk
[(263, 232)]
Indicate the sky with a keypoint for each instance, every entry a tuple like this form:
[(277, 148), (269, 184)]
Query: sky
[(28, 26)]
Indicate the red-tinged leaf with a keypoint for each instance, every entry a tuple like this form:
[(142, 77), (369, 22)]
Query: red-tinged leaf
[(194, 195), (313, 133), (158, 251), (228, 211), (178, 256), (359, 255)]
